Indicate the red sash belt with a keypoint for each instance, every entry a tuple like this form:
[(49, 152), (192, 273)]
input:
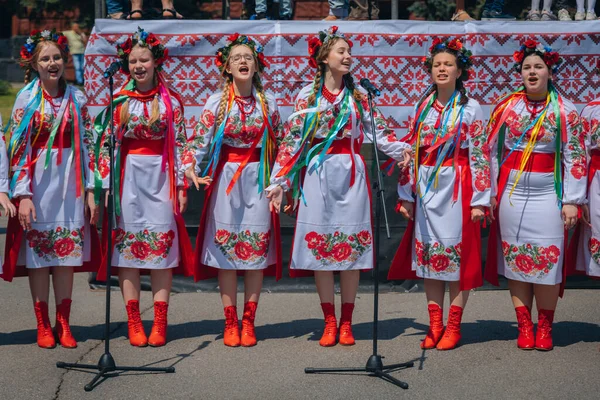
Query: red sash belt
[(343, 146), (142, 147), (538, 162), (239, 154), (430, 159)]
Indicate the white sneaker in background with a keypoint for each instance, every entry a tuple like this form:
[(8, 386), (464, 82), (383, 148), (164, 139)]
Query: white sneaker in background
[(590, 16), (579, 16), (563, 15)]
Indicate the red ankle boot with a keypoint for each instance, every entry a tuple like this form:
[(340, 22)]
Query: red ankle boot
[(346, 337), (436, 327), (137, 336), (526, 339), (248, 338), (62, 328), (158, 334), (45, 337), (231, 336), (451, 336), (329, 334), (543, 337)]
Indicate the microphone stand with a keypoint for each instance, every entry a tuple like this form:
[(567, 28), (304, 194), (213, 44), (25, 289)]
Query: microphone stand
[(106, 365), (374, 365)]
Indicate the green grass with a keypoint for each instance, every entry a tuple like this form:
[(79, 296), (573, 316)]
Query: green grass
[(6, 104)]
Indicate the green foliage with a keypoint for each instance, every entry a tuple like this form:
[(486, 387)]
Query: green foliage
[(4, 88), (433, 10)]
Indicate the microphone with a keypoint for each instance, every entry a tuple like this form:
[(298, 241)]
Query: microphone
[(369, 87), (112, 69)]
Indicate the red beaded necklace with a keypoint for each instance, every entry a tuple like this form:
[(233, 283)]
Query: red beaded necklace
[(330, 97), (50, 99), (247, 105), (534, 106)]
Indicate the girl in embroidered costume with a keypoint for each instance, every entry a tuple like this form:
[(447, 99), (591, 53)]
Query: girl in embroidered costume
[(239, 130), (150, 190), (450, 180), (8, 207), (539, 157), (323, 138), (50, 140), (584, 249)]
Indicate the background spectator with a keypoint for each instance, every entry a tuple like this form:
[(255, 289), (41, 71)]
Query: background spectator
[(77, 40)]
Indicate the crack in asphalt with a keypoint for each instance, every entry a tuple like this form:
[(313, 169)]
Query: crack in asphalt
[(100, 343)]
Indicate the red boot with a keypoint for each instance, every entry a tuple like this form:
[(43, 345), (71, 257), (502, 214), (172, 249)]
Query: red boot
[(137, 336), (231, 336), (62, 328), (45, 337), (158, 334), (526, 339), (248, 338), (329, 334), (436, 327), (451, 336), (543, 338), (346, 337)]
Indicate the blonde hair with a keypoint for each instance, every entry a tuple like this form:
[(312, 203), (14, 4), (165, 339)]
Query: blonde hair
[(155, 114), (228, 81), (29, 63), (323, 53)]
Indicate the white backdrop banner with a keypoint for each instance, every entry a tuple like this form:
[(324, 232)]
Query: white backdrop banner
[(389, 53)]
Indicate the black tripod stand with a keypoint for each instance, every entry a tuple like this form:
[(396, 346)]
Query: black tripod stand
[(106, 365), (374, 365)]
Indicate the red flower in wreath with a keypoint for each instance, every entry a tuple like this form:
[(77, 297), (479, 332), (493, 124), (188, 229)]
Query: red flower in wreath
[(518, 56), (64, 247), (435, 42), (233, 37), (455, 44), (140, 250), (243, 250), (222, 236), (364, 237), (439, 262), (151, 40), (341, 251), (126, 46), (551, 58), (531, 44), (524, 263)]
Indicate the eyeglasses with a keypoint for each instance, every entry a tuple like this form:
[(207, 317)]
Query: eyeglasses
[(238, 58)]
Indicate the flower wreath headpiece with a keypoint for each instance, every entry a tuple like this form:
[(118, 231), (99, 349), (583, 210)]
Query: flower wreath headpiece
[(550, 57), (36, 37), (455, 46), (236, 39), (315, 43), (144, 39)]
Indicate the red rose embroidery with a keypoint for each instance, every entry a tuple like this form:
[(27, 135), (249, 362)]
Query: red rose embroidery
[(64, 247), (578, 171), (594, 245), (341, 251), (524, 263), (552, 253), (313, 240), (439, 262), (207, 118), (243, 250), (482, 181), (364, 237), (140, 250), (222, 236)]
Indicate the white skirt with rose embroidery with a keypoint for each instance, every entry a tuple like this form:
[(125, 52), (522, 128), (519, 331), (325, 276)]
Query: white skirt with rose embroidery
[(333, 229), (237, 234)]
